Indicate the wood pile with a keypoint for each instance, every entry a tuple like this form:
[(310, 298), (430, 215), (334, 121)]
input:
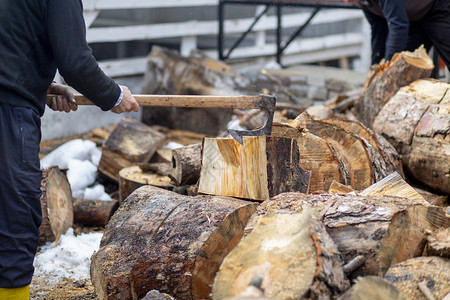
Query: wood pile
[(320, 209)]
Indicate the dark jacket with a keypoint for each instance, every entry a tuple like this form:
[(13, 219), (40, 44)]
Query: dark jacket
[(38, 36)]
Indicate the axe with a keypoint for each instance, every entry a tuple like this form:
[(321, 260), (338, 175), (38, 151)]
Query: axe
[(263, 102)]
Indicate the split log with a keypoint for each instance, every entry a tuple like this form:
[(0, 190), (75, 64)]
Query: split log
[(165, 241), (186, 164), (385, 230), (56, 205), (258, 169), (339, 188), (95, 213), (352, 152), (316, 156), (407, 275), (439, 243), (132, 178), (387, 78), (417, 122), (130, 142), (160, 168), (372, 288), (291, 253)]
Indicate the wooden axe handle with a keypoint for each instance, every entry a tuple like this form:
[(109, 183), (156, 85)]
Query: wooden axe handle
[(241, 102)]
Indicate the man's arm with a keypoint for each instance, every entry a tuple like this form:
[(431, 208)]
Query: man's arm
[(74, 59), (395, 13)]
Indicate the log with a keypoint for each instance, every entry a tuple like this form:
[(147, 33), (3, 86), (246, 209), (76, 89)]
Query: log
[(186, 164), (291, 253), (316, 156), (56, 204), (385, 230), (93, 213), (387, 78), (439, 243), (417, 122), (258, 169), (339, 188), (132, 178), (131, 142), (350, 148), (407, 275), (372, 288), (169, 242)]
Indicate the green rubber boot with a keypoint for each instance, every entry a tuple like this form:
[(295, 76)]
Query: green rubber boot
[(22, 293)]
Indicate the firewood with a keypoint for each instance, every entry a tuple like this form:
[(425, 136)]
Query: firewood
[(383, 155), (384, 230), (393, 185), (186, 164), (372, 288), (161, 240), (351, 150), (316, 156), (160, 168), (260, 168), (387, 78), (56, 204), (432, 198), (132, 178), (130, 142), (95, 213), (292, 253), (439, 243), (417, 122), (406, 276), (339, 188)]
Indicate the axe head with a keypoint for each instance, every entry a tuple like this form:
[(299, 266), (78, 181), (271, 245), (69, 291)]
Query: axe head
[(267, 104)]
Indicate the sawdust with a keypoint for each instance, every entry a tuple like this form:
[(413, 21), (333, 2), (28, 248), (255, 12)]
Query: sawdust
[(64, 289)]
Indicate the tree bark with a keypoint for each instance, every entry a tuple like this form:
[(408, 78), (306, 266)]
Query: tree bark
[(417, 122), (385, 230), (131, 142), (165, 241), (259, 169), (407, 275), (387, 78), (56, 204), (94, 213), (291, 254), (186, 164)]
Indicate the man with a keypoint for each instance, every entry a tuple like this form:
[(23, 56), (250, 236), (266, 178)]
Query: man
[(399, 25), (36, 37)]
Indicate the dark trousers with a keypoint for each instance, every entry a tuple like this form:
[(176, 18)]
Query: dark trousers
[(20, 180), (432, 30)]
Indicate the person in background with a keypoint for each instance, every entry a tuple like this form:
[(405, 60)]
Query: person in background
[(399, 25), (36, 39)]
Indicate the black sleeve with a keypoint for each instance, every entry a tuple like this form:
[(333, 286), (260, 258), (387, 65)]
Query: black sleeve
[(395, 13), (73, 56)]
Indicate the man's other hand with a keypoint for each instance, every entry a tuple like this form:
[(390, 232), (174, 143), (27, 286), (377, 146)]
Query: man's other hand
[(127, 104), (63, 99)]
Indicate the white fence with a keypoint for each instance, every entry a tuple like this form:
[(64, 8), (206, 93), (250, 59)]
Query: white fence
[(301, 50)]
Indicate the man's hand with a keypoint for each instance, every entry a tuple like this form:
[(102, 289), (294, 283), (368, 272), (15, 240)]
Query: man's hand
[(64, 99), (127, 104)]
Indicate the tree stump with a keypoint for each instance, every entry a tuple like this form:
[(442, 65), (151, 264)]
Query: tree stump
[(259, 169), (165, 241), (385, 230), (407, 275), (132, 178), (131, 142), (292, 254), (56, 204), (417, 122), (186, 164), (387, 78), (94, 213), (372, 288)]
